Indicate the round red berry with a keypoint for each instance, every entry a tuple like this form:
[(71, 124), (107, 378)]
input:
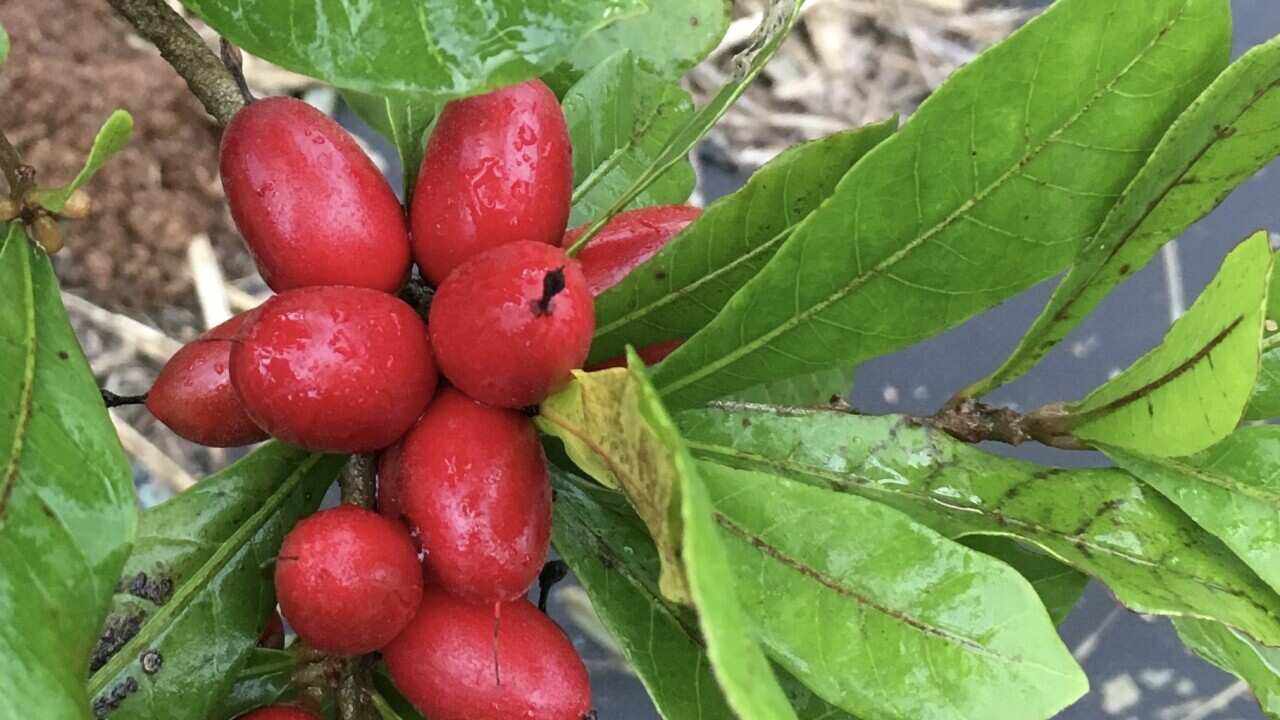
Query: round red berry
[(474, 484), (334, 369), (312, 207), (452, 665), (193, 395), (348, 580), (498, 169), (510, 325), (628, 241)]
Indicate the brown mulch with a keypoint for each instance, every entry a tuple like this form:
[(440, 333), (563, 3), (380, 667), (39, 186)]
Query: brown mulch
[(67, 70)]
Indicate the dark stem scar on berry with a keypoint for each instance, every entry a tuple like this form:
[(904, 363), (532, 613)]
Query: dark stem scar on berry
[(552, 285), (113, 400)]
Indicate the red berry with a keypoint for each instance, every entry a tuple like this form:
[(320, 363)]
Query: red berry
[(627, 242), (650, 354), (193, 395), (389, 481), (348, 580), (280, 712), (510, 325), (443, 662), (313, 208), (475, 486), (498, 169), (334, 369)]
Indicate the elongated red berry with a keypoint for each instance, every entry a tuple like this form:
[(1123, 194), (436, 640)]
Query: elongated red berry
[(193, 395), (444, 663), (510, 325), (650, 354), (474, 484), (280, 712), (348, 580), (627, 242), (312, 207), (498, 169), (334, 369)]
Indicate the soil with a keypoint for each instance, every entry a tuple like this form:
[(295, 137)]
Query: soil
[(67, 70)]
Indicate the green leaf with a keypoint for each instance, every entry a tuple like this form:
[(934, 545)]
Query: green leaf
[(803, 390), (620, 116), (111, 139), (1232, 490), (777, 22), (668, 39), (67, 510), (265, 678), (683, 287), (613, 557), (198, 586), (882, 616), (1264, 403), (403, 121), (1191, 391), (434, 48), (1058, 585), (1226, 136), (990, 188), (1235, 653), (1102, 522)]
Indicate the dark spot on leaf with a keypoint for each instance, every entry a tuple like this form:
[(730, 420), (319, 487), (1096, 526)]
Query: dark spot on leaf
[(660, 275), (693, 22), (1124, 269), (119, 630), (111, 699), (62, 355), (151, 661), (746, 422), (156, 589)]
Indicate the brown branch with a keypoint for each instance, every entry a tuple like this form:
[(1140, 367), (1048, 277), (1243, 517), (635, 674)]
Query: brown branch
[(972, 421), (183, 48), (357, 481)]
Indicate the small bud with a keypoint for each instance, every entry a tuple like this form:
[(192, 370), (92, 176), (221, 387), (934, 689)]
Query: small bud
[(78, 206), (8, 210), (47, 233)]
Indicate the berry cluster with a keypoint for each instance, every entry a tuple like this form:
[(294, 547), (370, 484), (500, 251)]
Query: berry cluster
[(335, 362)]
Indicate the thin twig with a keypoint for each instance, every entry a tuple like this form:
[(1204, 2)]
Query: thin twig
[(357, 481), (181, 46), (111, 399), (211, 287), (146, 339)]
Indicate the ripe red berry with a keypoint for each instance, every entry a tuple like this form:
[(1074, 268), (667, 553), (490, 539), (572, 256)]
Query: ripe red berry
[(313, 208), (193, 395), (498, 169), (348, 580), (444, 663), (389, 481), (650, 354), (334, 369), (509, 325), (627, 242), (475, 486), (280, 712)]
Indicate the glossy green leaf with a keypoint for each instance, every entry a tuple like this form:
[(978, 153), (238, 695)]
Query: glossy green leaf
[(1059, 585), (768, 37), (601, 418), (883, 616), (111, 139), (1235, 653), (1264, 403), (403, 121), (611, 554), (67, 510), (1232, 490), (265, 678), (683, 287), (198, 586), (668, 39), (990, 188), (822, 388), (619, 117), (1227, 135), (435, 48), (1102, 522), (1191, 391)]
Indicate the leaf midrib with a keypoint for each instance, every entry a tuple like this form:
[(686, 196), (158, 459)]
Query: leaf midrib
[(880, 268), (185, 594), (22, 421)]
